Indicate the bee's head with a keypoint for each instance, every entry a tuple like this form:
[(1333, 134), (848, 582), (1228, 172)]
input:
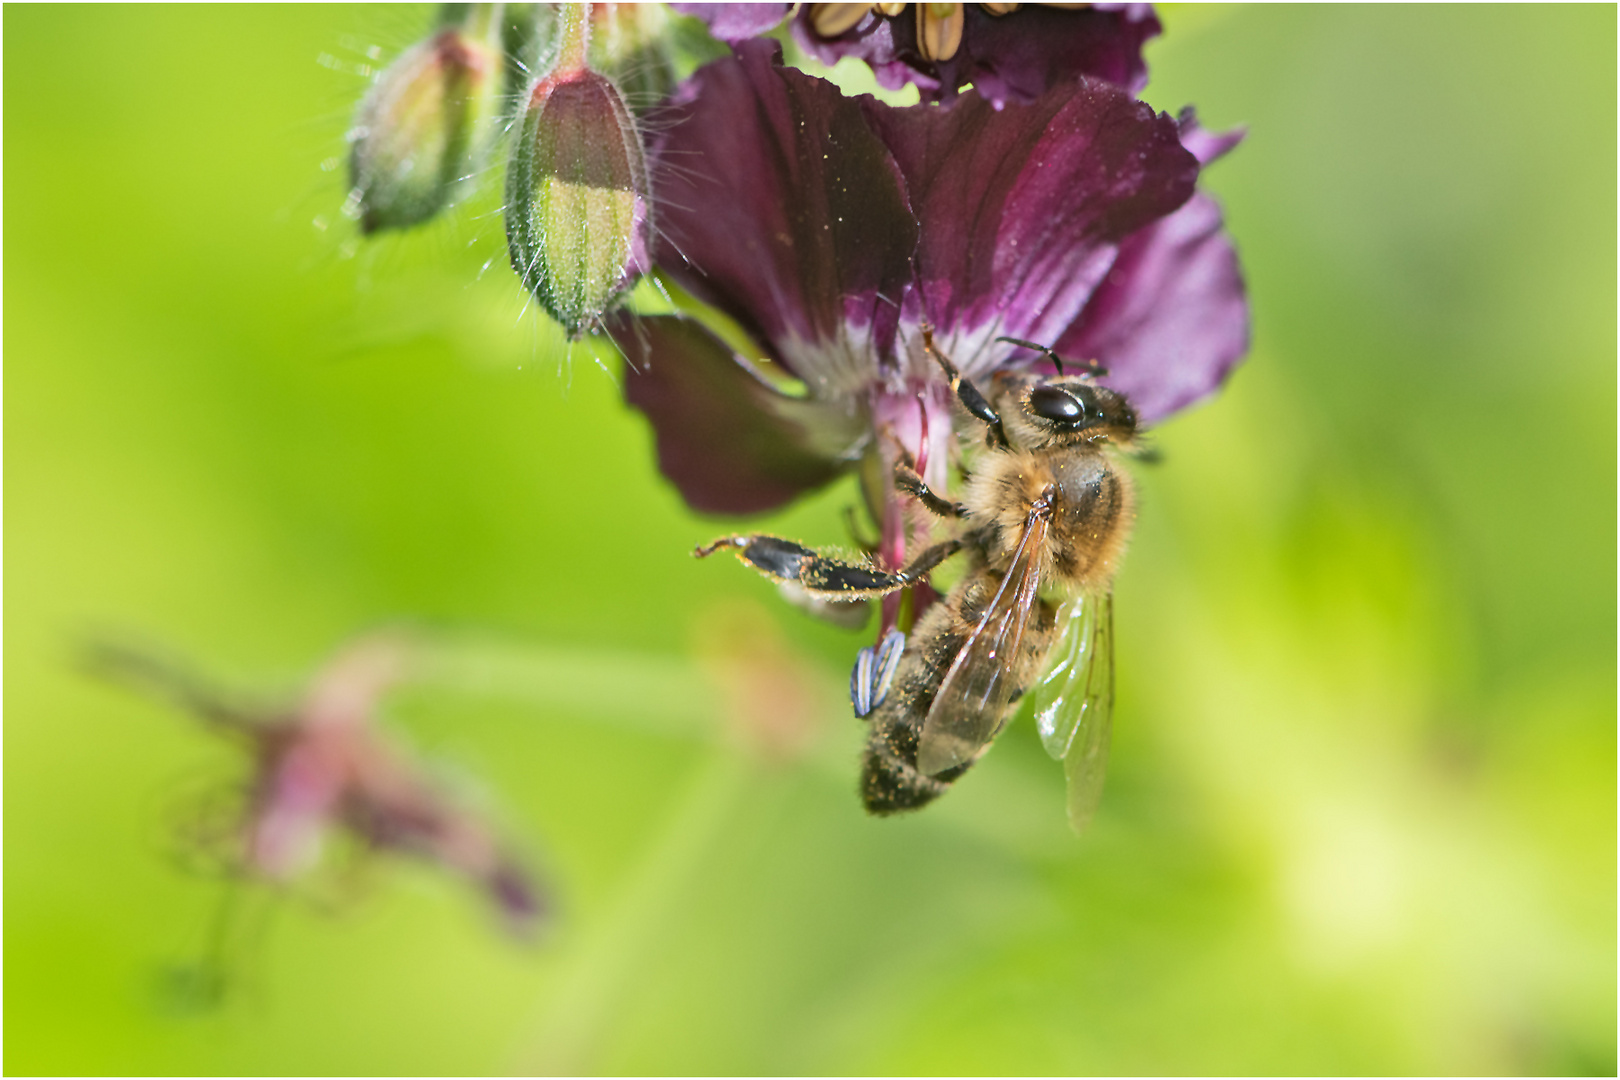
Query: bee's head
[(1069, 409)]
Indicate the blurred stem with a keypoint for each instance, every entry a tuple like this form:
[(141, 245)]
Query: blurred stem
[(662, 694), (605, 957), (483, 22)]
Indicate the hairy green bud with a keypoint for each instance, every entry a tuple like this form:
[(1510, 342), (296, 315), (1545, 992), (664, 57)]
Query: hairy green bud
[(423, 129), (577, 207)]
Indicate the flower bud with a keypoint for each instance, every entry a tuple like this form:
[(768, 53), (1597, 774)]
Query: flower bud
[(576, 192), (424, 126)]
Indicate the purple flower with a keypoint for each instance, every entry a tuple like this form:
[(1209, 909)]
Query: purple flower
[(322, 766), (832, 229), (1008, 52)]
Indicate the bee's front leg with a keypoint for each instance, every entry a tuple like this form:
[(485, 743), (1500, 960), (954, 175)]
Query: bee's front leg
[(968, 394)]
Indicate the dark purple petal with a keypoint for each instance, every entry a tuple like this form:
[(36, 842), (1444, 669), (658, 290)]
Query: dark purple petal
[(1171, 318), (1016, 57), (1019, 57), (725, 438), (737, 22), (1020, 208), (779, 205)]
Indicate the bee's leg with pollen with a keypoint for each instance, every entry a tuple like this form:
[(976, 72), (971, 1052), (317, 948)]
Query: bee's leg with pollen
[(821, 575)]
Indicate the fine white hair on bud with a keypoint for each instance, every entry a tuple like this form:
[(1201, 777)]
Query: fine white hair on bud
[(422, 131), (577, 204)]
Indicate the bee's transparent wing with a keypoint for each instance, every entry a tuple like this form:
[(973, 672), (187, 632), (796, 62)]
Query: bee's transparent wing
[(1074, 701), (972, 703)]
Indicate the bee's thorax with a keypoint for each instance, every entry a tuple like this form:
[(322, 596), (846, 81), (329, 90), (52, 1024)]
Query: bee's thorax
[(1092, 507)]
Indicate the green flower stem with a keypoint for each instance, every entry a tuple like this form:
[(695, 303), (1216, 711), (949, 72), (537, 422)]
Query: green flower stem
[(483, 22), (574, 35)]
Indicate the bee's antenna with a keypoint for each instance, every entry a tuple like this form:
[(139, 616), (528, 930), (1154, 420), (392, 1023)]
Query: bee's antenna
[(1092, 367), (1057, 361)]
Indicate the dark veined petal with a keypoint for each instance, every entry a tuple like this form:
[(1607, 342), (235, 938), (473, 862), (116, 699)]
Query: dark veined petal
[(1021, 208), (1171, 318), (737, 22), (820, 222), (1018, 57), (781, 207), (730, 442), (1015, 57)]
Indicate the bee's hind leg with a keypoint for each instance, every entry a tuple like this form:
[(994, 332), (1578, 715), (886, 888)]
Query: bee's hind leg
[(823, 576), (819, 575)]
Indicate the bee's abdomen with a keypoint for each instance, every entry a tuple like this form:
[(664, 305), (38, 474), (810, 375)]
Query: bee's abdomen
[(890, 786), (890, 782)]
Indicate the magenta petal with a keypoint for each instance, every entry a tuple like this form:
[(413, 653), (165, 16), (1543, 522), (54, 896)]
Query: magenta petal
[(1171, 318), (722, 437), (1206, 146), (779, 205), (1021, 208), (737, 22)]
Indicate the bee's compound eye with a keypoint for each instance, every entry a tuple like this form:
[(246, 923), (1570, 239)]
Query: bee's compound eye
[(1055, 404)]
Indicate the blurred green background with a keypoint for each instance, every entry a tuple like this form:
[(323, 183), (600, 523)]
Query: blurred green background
[(1361, 812)]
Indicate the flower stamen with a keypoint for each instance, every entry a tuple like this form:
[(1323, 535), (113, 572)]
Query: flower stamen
[(939, 30), (831, 20)]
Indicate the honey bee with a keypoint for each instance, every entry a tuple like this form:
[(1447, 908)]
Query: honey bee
[(1043, 524)]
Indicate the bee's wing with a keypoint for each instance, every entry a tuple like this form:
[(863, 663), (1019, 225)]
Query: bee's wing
[(972, 703), (1074, 701)]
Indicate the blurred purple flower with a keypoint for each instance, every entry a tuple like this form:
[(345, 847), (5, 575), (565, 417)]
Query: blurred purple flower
[(831, 229), (323, 766), (1008, 52)]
